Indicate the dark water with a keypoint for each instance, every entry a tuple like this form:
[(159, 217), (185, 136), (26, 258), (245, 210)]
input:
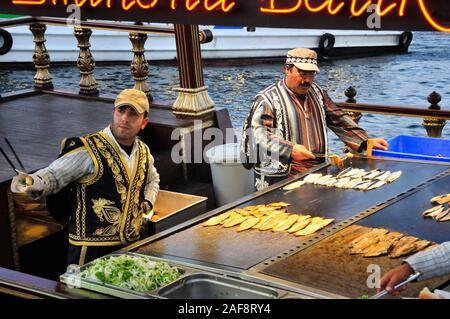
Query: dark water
[(405, 79)]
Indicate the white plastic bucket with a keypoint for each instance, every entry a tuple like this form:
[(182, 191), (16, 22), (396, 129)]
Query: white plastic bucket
[(231, 179)]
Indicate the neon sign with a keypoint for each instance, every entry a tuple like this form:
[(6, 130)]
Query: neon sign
[(209, 5), (268, 8)]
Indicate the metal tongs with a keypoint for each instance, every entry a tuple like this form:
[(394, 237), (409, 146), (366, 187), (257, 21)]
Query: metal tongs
[(384, 292), (16, 156), (335, 160)]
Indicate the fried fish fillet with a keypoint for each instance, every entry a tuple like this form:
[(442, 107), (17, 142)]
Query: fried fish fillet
[(216, 220), (384, 245), (352, 183), (441, 199), (234, 220), (341, 182), (330, 182), (249, 223), (443, 216), (301, 223), (352, 172), (421, 244), (393, 176), (268, 223), (286, 224), (323, 179), (429, 212), (279, 204), (258, 213), (344, 172), (317, 223), (254, 207), (372, 174), (375, 185), (311, 178), (294, 185), (363, 245), (403, 247), (372, 233), (271, 223), (384, 176), (262, 220), (275, 213), (380, 248)]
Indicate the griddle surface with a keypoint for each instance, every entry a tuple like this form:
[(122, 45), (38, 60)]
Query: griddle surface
[(328, 266), (226, 247)]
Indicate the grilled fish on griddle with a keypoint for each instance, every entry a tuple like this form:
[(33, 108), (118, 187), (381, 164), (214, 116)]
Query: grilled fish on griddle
[(249, 223), (441, 199), (403, 247), (216, 220)]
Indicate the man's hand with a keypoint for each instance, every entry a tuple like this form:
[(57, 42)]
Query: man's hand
[(300, 153), (20, 183), (23, 183), (395, 276), (380, 143)]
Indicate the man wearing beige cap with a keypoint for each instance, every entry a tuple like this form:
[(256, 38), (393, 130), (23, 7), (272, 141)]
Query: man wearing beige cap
[(288, 123), (106, 179)]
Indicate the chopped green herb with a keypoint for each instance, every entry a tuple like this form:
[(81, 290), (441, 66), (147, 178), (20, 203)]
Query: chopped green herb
[(131, 272)]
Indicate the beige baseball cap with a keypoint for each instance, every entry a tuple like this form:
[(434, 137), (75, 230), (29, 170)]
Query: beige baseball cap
[(304, 59), (134, 98)]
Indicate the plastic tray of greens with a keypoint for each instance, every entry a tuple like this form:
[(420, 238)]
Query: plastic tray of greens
[(125, 275)]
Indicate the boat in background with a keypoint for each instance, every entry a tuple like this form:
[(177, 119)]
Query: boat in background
[(234, 43)]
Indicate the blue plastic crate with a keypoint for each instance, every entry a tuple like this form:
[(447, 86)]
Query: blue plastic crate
[(418, 148)]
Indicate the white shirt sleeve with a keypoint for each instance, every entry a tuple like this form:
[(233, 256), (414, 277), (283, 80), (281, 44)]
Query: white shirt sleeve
[(432, 263), (64, 170), (152, 184)]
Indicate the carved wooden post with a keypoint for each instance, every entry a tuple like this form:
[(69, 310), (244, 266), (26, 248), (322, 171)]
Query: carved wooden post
[(193, 98), (350, 93), (139, 66), (434, 126), (41, 58), (85, 62)]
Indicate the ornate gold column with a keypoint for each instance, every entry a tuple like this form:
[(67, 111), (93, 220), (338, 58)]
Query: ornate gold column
[(41, 58), (139, 65), (85, 62), (350, 93), (434, 126), (193, 99)]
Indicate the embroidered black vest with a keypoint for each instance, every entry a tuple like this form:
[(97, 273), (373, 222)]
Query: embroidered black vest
[(108, 205)]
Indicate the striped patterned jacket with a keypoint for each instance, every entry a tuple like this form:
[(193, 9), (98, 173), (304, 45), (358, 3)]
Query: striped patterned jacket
[(279, 119), (432, 263)]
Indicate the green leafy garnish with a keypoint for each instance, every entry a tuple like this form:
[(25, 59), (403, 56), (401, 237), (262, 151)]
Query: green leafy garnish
[(131, 272)]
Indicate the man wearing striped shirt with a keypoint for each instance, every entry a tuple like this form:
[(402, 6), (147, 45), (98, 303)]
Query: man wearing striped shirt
[(288, 123), (109, 178), (432, 263)]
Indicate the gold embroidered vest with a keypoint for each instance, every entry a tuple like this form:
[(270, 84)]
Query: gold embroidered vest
[(109, 204)]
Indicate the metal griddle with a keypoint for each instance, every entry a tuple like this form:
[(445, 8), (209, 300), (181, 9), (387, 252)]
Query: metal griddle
[(406, 215), (328, 266), (226, 248)]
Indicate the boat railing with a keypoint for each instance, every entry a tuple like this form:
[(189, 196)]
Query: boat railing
[(434, 118), (193, 98)]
